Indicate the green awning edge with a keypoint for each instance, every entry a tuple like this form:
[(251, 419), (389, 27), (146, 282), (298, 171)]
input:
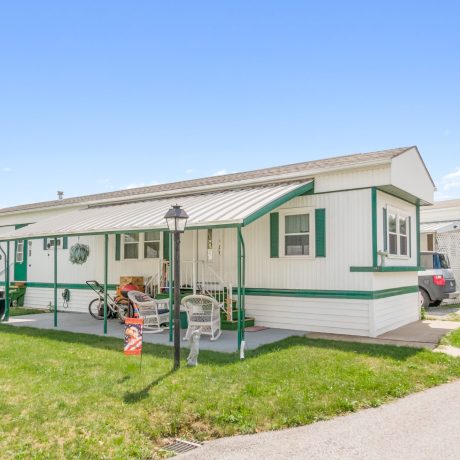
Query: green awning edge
[(303, 189)]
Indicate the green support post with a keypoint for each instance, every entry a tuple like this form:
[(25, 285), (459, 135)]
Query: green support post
[(7, 283), (239, 285), (417, 229), (55, 283), (170, 292), (243, 285), (106, 269)]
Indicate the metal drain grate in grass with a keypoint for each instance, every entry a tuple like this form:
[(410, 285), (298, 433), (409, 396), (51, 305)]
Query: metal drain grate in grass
[(179, 446)]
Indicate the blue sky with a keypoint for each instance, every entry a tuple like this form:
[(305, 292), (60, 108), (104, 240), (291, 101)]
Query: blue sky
[(102, 95)]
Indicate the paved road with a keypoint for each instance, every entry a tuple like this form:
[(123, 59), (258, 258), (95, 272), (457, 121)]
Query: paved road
[(422, 426)]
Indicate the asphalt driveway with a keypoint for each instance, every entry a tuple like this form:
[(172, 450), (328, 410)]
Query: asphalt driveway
[(421, 426)]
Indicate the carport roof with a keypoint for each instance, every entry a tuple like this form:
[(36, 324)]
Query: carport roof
[(223, 208), (440, 227)]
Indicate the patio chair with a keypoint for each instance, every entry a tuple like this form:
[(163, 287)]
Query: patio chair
[(203, 312), (154, 312)]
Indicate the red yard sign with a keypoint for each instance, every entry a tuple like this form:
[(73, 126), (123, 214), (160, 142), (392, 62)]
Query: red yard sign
[(133, 336)]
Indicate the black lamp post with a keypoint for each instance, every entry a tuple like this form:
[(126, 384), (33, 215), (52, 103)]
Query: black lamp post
[(176, 219)]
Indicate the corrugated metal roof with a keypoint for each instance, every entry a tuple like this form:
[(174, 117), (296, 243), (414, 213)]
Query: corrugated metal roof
[(439, 227), (444, 205), (230, 207), (303, 170)]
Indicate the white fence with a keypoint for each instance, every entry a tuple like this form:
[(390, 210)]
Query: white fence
[(449, 243)]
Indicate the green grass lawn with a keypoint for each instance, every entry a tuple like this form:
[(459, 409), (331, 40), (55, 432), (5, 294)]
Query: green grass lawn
[(453, 338), (21, 311), (65, 395)]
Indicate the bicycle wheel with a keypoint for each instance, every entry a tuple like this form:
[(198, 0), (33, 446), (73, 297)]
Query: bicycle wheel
[(122, 310), (96, 309)]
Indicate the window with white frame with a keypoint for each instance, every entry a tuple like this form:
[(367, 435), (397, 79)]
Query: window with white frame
[(398, 233), (131, 245), (296, 233), (152, 245), (142, 245), (20, 252)]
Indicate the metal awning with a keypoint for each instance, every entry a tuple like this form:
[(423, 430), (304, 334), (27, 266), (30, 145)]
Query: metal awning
[(439, 227), (237, 207)]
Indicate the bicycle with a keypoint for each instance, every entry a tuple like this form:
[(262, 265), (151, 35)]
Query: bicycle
[(116, 307)]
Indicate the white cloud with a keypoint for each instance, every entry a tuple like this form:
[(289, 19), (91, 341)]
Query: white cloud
[(6, 169), (451, 180), (221, 172), (441, 196), (189, 171)]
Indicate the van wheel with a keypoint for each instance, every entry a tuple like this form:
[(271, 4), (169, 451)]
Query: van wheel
[(436, 303), (424, 298)]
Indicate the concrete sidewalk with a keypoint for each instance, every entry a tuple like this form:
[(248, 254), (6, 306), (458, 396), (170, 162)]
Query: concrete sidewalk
[(421, 426), (419, 334)]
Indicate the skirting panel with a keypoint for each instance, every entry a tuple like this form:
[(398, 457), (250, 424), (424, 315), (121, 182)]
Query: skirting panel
[(335, 316)]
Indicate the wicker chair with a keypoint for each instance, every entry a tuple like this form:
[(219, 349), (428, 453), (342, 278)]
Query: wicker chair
[(153, 312), (203, 313)]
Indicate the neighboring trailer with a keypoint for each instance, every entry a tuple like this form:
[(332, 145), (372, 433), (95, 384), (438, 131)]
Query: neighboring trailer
[(335, 252), (440, 231)]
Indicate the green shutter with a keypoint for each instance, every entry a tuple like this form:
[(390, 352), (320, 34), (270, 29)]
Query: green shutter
[(409, 237), (385, 230), (45, 244), (320, 232), (274, 234), (65, 242), (117, 247), (166, 245)]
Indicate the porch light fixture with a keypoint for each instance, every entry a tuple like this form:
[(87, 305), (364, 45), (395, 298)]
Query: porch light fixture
[(176, 219)]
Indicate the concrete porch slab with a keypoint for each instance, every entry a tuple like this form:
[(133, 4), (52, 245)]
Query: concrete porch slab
[(420, 334), (84, 323)]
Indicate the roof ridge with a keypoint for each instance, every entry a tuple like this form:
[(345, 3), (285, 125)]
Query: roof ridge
[(209, 180)]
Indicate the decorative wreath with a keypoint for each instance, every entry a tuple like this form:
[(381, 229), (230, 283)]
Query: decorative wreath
[(79, 253)]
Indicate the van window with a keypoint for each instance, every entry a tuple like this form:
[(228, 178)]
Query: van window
[(426, 261), (443, 261)]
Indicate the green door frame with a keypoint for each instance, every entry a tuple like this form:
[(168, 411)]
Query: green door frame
[(6, 256)]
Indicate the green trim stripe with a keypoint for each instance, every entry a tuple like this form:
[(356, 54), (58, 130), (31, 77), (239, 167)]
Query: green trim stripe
[(299, 293), (374, 226), (360, 295), (387, 269), (33, 284)]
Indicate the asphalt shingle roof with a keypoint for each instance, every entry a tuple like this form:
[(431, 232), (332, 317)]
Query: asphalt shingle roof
[(302, 168)]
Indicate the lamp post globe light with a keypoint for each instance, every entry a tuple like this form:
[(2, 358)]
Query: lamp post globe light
[(176, 218)]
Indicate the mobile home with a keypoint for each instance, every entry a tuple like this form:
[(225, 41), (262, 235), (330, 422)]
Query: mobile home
[(329, 245)]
